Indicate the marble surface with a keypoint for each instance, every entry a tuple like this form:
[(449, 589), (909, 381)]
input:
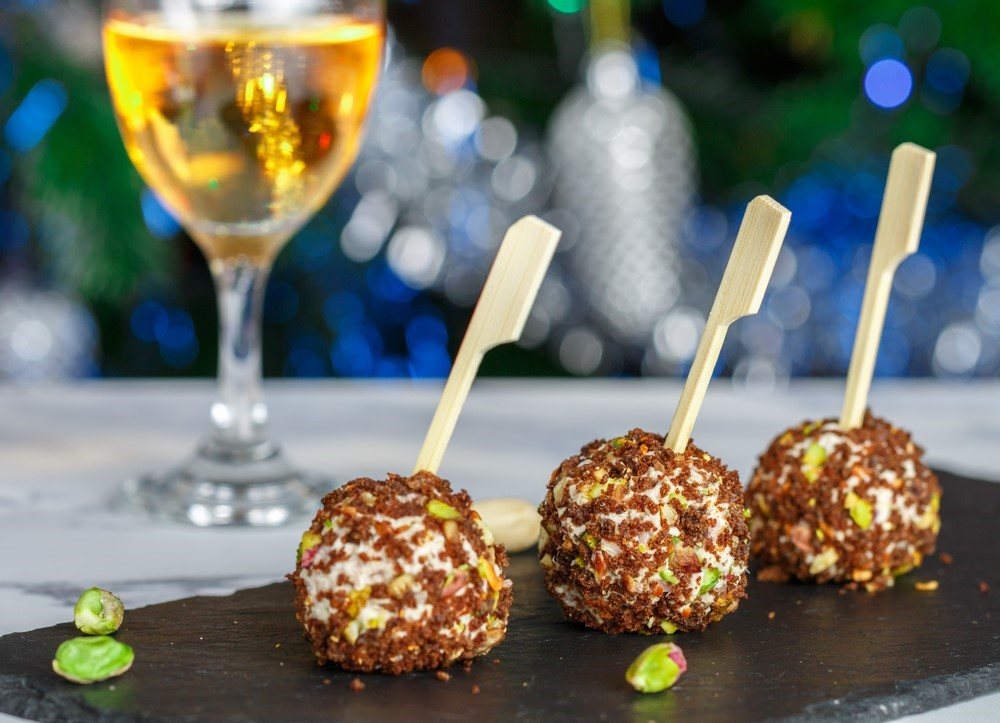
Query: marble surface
[(64, 449)]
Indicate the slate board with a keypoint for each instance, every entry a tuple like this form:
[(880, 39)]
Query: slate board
[(824, 655)]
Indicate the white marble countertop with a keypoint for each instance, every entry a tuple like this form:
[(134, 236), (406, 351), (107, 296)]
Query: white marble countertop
[(64, 449)]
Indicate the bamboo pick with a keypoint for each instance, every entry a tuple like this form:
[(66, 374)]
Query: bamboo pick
[(740, 293), (499, 317), (896, 237)]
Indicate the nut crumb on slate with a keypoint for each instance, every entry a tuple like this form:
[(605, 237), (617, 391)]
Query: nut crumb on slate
[(926, 586), (326, 681), (636, 538), (400, 575), (496, 661), (467, 665), (770, 615), (946, 558), (357, 685), (854, 506), (442, 676), (984, 587), (475, 690)]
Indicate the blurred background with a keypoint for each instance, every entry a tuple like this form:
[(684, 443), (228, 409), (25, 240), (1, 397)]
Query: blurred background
[(644, 151)]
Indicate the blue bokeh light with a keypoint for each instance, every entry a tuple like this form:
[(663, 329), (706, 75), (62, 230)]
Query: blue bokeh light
[(647, 60), (159, 220), (307, 356), (426, 329), (947, 70), (880, 42), (149, 321), (342, 308), (684, 13), (888, 83), (352, 355), (392, 367), (33, 118), (429, 360), (384, 284), (178, 343)]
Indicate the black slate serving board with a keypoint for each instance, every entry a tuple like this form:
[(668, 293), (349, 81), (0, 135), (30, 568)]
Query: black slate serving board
[(823, 655)]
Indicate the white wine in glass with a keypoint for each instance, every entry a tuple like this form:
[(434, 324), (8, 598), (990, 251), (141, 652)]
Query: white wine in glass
[(243, 117)]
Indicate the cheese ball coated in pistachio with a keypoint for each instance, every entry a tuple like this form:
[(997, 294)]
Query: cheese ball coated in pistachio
[(636, 538), (400, 575), (855, 506)]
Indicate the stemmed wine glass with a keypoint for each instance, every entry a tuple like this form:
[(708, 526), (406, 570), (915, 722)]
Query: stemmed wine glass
[(243, 116)]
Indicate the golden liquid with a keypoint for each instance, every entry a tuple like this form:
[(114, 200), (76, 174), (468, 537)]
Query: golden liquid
[(244, 131)]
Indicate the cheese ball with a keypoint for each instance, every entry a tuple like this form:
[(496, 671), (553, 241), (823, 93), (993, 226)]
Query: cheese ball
[(636, 538), (400, 575), (855, 506)]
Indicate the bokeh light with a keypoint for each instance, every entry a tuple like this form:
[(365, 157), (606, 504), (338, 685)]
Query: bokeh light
[(447, 69), (880, 42), (888, 83), (567, 7), (684, 13), (33, 118)]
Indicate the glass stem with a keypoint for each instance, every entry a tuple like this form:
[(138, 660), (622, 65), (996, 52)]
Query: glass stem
[(240, 415)]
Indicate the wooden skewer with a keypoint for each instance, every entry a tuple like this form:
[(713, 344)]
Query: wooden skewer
[(499, 317), (896, 237), (740, 293)]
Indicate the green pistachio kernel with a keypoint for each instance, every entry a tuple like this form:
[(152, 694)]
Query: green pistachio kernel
[(810, 427), (309, 540), (357, 599), (578, 562), (747, 513), (711, 579), (811, 473), (815, 455), (98, 612), (589, 539), (674, 494), (450, 577), (657, 668), (860, 510), (823, 561), (668, 627), (92, 659), (327, 524), (442, 510), (618, 442), (668, 576), (598, 488)]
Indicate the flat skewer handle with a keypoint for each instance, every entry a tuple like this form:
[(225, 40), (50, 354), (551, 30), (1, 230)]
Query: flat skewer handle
[(499, 317), (740, 293), (896, 237)]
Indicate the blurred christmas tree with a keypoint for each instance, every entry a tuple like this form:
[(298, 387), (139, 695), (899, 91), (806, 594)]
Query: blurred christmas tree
[(802, 99)]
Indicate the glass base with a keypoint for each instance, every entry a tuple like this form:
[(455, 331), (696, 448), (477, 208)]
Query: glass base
[(228, 484)]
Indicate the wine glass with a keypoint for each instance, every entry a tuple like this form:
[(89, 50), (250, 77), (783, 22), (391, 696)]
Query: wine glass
[(243, 116)]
